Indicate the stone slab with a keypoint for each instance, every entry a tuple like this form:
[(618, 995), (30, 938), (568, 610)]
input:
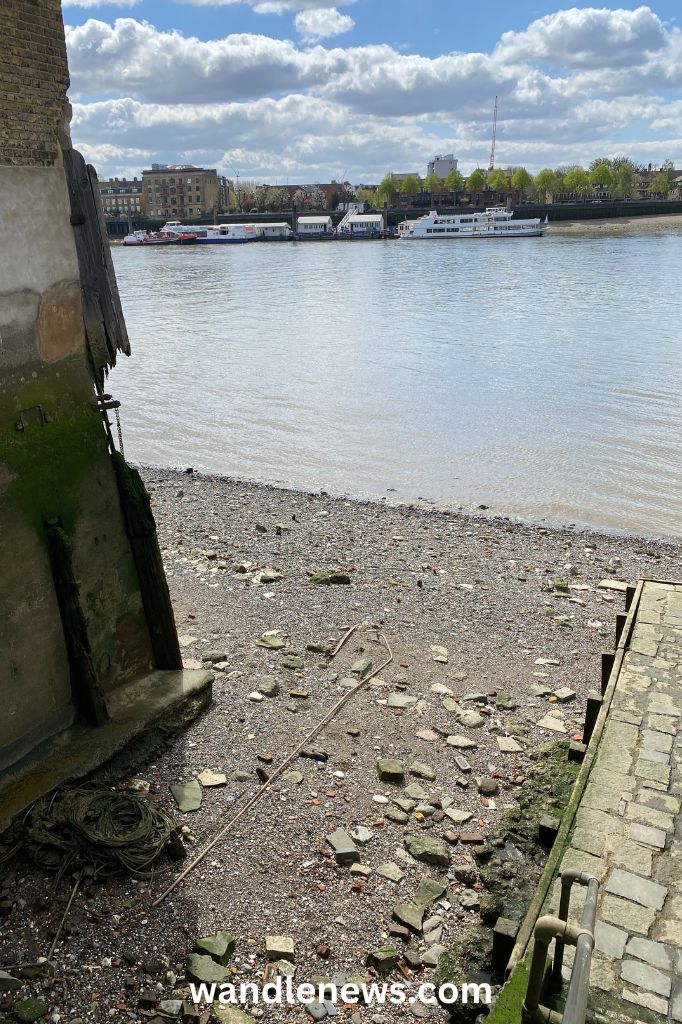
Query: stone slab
[(630, 916), (645, 976), (638, 890)]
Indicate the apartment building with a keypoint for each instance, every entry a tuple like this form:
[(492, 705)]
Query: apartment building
[(122, 197), (181, 191)]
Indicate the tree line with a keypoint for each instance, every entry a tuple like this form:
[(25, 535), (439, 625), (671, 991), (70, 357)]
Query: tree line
[(617, 177)]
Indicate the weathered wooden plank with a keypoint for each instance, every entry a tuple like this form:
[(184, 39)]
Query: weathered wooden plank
[(87, 696), (141, 528), (102, 313)]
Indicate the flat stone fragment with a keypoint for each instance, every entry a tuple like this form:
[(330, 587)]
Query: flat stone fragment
[(609, 584), (552, 723), (318, 1011), (390, 871), (440, 654), (410, 915), (204, 968), (397, 816), (400, 700), (432, 955), (343, 846), (428, 891), (219, 947), (647, 1000), (229, 1015), (361, 667), (654, 953), (188, 796), (416, 792), (8, 983), (279, 947), (470, 900), (646, 977), (508, 745), (362, 835), (360, 869), (649, 836), (268, 686), (428, 849), (463, 742), (539, 690), (296, 778), (422, 771), (457, 816), (209, 779), (469, 719), (429, 735), (564, 694), (390, 769), (639, 890), (383, 959), (627, 915), (30, 1010)]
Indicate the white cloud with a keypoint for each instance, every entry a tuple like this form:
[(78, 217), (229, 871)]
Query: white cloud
[(100, 3), (591, 37), (321, 23), (573, 85)]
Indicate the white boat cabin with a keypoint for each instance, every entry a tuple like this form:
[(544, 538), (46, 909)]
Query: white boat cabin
[(362, 224), (315, 227), (274, 231)]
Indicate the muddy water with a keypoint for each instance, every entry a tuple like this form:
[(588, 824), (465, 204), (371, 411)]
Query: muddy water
[(541, 377)]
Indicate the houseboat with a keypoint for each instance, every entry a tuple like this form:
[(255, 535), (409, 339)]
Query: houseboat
[(315, 227), (495, 222)]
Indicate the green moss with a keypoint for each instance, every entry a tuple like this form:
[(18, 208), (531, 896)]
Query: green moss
[(509, 1003), (63, 442)]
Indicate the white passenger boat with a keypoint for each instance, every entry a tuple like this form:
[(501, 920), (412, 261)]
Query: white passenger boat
[(216, 234), (495, 222)]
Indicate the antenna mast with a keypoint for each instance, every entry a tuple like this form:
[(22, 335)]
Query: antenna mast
[(491, 165)]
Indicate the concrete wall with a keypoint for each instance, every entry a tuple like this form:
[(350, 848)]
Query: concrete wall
[(54, 456)]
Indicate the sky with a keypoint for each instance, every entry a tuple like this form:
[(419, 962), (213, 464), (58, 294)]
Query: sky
[(302, 91)]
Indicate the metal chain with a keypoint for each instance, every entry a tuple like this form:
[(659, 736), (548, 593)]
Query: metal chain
[(120, 433)]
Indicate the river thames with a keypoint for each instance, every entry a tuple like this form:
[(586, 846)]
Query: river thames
[(541, 377)]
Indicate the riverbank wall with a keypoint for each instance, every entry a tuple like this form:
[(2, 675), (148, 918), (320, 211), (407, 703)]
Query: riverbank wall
[(560, 212)]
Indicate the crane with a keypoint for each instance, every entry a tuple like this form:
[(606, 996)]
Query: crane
[(491, 165)]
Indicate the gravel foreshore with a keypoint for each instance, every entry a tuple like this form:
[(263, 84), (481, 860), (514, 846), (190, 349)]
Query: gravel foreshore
[(469, 604)]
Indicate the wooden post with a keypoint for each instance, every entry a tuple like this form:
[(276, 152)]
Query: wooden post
[(607, 659), (87, 696), (594, 705), (141, 528)]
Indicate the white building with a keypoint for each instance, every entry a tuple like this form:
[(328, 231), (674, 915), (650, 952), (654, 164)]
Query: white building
[(274, 231), (442, 165), (315, 227), (362, 224)]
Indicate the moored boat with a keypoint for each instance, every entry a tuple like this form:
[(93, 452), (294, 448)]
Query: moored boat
[(495, 222)]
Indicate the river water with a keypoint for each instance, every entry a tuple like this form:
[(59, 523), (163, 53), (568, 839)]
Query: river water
[(540, 377)]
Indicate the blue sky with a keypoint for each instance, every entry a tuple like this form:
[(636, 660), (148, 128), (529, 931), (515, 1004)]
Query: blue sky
[(307, 90)]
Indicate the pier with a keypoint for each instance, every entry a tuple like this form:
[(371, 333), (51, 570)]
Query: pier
[(623, 826)]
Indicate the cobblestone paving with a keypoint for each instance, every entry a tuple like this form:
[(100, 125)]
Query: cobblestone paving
[(628, 829)]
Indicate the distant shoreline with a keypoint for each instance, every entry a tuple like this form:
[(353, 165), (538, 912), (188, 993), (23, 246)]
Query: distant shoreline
[(650, 222)]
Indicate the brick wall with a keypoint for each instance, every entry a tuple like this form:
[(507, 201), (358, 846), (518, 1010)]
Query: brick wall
[(34, 78)]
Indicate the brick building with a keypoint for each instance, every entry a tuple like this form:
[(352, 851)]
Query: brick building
[(181, 190), (122, 197)]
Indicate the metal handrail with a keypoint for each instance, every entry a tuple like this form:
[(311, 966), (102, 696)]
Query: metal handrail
[(558, 928)]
